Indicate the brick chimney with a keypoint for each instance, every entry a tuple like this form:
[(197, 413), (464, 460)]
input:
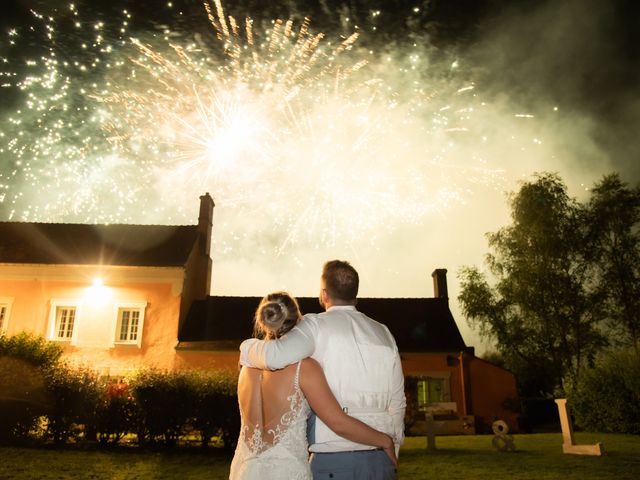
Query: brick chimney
[(440, 283), (197, 282), (205, 223), (205, 226)]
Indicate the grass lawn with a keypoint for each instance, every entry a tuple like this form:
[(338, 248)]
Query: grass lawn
[(538, 456)]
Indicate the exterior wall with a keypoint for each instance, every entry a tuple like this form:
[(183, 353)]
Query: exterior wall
[(435, 364), (492, 390), (208, 360), (478, 389), (35, 289)]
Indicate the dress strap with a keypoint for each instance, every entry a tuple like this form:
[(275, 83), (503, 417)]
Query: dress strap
[(296, 379)]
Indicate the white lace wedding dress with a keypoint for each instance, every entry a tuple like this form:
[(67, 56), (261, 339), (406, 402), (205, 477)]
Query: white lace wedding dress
[(273, 440)]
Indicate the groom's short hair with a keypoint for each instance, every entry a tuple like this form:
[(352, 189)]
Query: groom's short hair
[(341, 280)]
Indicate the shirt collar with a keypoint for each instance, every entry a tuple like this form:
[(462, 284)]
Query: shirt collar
[(341, 307)]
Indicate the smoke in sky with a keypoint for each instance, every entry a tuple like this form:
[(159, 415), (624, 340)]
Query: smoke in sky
[(554, 96), (401, 166), (578, 55)]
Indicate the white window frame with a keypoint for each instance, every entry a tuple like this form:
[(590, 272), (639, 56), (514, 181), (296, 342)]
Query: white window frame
[(56, 304), (117, 324), (5, 313)]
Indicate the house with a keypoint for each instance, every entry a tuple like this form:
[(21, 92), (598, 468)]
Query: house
[(464, 393), (122, 297), (112, 295)]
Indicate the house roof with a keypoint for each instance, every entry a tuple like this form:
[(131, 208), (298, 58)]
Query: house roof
[(418, 324), (76, 244)]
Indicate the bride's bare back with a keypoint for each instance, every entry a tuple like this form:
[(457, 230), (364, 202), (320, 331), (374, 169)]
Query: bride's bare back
[(273, 442), (266, 400), (273, 409)]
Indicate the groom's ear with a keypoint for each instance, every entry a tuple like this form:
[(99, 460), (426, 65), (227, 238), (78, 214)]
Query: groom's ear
[(324, 296)]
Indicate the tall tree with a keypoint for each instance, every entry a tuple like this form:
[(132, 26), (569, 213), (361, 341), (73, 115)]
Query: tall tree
[(613, 219), (540, 311)]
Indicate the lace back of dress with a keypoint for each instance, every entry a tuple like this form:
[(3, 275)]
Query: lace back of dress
[(269, 403)]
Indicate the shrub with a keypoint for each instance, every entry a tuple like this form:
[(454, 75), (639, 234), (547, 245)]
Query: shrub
[(606, 397), (40, 396), (165, 402), (24, 361), (216, 410), (33, 349), (115, 413), (74, 395), (23, 398), (170, 404), (539, 415)]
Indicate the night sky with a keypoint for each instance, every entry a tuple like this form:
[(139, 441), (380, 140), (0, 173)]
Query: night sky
[(570, 66), (581, 54)]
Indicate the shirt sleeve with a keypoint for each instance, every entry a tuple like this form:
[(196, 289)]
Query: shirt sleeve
[(398, 403), (297, 344)]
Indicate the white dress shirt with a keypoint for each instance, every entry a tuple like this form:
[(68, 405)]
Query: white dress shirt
[(360, 359)]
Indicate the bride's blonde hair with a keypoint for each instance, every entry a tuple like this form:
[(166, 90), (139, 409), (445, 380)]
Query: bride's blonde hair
[(277, 313)]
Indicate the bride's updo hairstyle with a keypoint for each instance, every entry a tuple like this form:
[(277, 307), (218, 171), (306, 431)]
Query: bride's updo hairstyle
[(277, 314)]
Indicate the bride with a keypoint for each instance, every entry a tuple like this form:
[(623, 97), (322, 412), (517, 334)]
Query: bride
[(274, 406)]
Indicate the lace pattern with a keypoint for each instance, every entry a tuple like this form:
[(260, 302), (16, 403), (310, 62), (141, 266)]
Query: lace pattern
[(279, 452)]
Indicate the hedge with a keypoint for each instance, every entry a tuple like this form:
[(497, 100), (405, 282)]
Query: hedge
[(25, 362), (46, 400), (606, 398)]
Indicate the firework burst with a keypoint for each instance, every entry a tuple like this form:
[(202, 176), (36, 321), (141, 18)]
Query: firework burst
[(288, 130)]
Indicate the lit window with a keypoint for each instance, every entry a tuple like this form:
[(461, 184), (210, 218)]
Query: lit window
[(3, 315), (5, 311), (128, 321), (129, 324), (63, 320), (430, 390)]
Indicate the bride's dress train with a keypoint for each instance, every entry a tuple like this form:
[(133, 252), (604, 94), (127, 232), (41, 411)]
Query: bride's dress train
[(272, 448)]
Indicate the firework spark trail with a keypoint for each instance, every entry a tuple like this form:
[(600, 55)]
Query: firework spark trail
[(277, 124)]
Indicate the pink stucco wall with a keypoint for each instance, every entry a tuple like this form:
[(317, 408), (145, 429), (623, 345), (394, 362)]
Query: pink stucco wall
[(93, 345)]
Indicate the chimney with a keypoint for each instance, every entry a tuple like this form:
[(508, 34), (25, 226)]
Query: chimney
[(440, 283), (205, 223), (197, 281)]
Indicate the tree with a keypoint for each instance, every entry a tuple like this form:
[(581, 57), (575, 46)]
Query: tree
[(613, 219), (605, 399), (541, 312)]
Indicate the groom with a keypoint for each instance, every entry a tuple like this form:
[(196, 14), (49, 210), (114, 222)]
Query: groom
[(360, 359)]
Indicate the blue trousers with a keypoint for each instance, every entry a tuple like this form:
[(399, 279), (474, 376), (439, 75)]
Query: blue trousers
[(364, 465)]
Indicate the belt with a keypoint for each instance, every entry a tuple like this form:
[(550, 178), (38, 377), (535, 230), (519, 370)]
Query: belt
[(347, 451), (364, 410)]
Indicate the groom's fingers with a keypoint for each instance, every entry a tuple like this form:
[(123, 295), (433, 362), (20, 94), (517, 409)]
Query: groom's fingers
[(391, 452)]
